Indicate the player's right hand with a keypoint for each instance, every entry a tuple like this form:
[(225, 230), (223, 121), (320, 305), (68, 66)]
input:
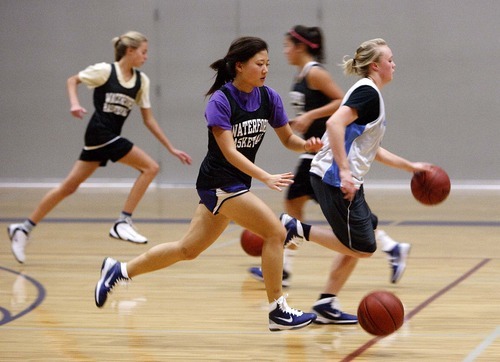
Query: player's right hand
[(347, 185)]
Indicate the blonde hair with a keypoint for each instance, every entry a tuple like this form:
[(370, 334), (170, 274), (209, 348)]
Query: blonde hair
[(131, 39), (367, 53)]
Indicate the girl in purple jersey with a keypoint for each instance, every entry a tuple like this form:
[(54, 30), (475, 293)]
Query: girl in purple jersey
[(117, 87), (238, 112)]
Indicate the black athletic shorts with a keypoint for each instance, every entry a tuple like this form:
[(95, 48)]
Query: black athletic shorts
[(352, 221), (114, 152), (301, 183)]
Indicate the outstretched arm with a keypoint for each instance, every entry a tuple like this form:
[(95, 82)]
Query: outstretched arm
[(295, 143), (155, 129), (390, 159)]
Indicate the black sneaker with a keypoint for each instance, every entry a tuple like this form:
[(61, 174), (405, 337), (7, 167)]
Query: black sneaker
[(256, 272), (329, 312), (397, 260), (110, 274), (285, 318), (294, 231)]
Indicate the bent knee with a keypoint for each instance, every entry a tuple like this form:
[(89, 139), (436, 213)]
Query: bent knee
[(152, 169), (155, 168)]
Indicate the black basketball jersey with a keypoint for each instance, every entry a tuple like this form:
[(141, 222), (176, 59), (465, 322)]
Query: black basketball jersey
[(305, 99), (248, 131), (113, 103)]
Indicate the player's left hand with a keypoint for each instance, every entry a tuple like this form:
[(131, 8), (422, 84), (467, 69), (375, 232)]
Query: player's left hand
[(301, 123), (421, 166), (313, 144), (279, 181), (183, 156), (78, 111)]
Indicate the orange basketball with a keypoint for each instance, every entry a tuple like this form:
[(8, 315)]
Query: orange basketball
[(430, 187), (381, 313), (251, 243)]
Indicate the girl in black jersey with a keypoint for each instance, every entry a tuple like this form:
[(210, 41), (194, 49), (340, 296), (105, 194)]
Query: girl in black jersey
[(238, 113), (117, 87), (314, 97)]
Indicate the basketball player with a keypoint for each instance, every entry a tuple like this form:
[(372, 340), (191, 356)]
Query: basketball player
[(238, 113), (350, 145), (315, 96), (117, 87)]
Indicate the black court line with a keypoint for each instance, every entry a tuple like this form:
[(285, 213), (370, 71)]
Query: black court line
[(418, 308), (464, 223)]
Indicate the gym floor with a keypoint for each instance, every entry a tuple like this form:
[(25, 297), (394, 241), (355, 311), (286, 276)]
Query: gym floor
[(211, 309)]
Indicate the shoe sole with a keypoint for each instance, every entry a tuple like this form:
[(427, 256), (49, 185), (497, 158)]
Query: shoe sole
[(12, 251), (274, 327), (323, 321), (130, 241), (403, 259), (104, 270), (117, 237)]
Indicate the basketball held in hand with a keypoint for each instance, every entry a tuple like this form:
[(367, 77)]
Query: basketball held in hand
[(430, 187), (251, 243), (381, 313)]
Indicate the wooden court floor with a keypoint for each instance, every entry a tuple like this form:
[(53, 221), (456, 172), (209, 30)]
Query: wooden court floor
[(210, 309)]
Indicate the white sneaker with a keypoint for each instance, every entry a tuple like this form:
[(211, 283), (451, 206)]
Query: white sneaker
[(18, 236), (124, 230)]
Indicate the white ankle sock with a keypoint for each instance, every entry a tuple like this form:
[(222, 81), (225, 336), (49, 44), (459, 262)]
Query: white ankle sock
[(386, 242), (123, 216), (123, 268), (28, 225)]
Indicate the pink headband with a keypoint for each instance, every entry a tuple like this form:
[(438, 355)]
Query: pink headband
[(302, 39)]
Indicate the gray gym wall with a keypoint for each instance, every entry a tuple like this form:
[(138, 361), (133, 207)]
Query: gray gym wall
[(442, 105)]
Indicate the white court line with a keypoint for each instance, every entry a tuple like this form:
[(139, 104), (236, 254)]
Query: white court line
[(474, 185), (483, 346)]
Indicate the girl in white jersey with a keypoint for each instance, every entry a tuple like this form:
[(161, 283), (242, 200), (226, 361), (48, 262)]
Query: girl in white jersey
[(350, 145), (315, 97), (117, 87)]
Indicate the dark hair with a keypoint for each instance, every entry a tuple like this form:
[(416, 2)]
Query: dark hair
[(312, 37), (240, 50)]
